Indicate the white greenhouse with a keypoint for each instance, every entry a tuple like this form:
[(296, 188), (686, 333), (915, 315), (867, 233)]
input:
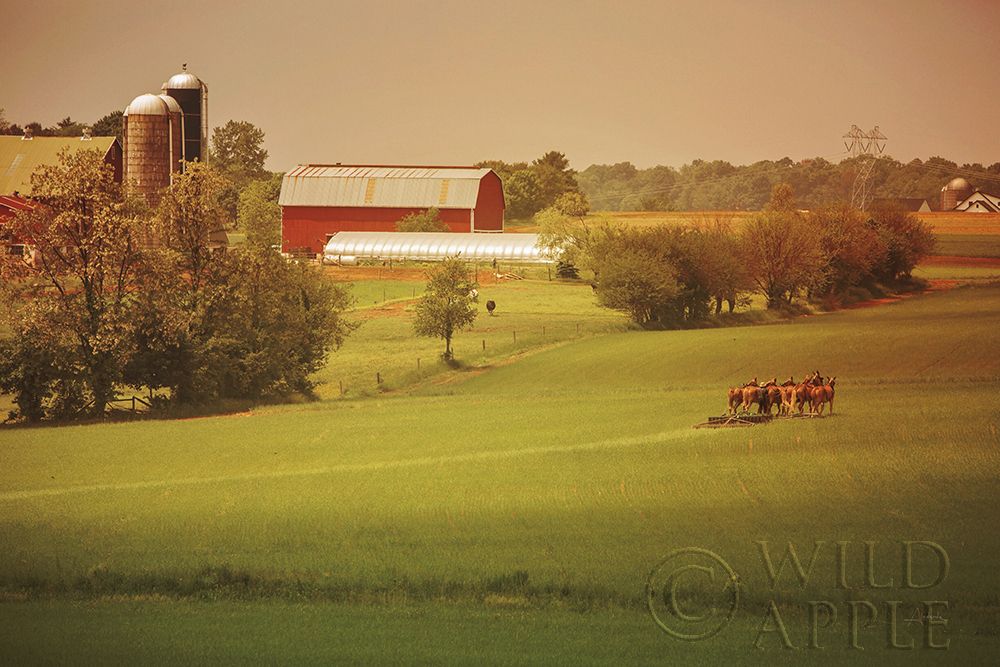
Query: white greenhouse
[(349, 247)]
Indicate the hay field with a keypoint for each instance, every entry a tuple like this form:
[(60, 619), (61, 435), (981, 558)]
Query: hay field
[(526, 501)]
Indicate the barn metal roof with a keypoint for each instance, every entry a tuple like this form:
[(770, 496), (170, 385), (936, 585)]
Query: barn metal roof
[(427, 246), (20, 157), (381, 186)]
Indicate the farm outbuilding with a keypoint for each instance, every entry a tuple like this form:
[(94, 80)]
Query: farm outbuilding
[(20, 156), (979, 202), (318, 201), (348, 247), (912, 204)]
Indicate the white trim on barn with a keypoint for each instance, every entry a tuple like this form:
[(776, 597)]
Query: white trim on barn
[(979, 202)]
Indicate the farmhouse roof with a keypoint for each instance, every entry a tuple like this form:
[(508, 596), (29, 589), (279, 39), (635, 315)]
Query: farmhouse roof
[(381, 186), (19, 157), (11, 206), (913, 204)]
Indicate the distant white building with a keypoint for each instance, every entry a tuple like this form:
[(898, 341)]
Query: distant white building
[(979, 202)]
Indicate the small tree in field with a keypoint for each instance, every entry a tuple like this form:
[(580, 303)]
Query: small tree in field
[(427, 221), (447, 305)]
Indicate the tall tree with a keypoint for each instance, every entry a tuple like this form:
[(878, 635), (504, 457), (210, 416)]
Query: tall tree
[(447, 305), (425, 221), (554, 177), (904, 238), (238, 151), (523, 194), (68, 127), (87, 264), (110, 125), (783, 254), (258, 214)]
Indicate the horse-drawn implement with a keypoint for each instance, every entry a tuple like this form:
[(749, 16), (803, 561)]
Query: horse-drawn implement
[(737, 421), (790, 398)]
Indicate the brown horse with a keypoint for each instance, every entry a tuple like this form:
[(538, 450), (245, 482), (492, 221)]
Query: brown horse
[(822, 394), (801, 393), (787, 389), (734, 400), (754, 394)]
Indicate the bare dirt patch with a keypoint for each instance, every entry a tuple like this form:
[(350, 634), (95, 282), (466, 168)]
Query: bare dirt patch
[(394, 309), (352, 273), (933, 286)]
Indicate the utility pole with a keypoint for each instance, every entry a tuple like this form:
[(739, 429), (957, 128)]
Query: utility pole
[(866, 148)]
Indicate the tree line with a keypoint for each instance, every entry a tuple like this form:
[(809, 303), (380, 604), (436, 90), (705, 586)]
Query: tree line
[(123, 296), (682, 274), (717, 185)]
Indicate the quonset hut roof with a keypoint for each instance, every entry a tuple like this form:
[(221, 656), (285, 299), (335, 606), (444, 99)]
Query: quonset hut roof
[(428, 246), (381, 186)]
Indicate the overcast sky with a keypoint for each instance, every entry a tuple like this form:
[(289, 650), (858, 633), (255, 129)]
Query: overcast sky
[(663, 82)]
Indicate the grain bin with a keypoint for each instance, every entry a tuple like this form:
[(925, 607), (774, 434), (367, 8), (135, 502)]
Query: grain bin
[(192, 95)]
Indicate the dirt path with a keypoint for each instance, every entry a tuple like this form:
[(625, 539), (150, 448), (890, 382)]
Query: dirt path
[(933, 286), (392, 309)]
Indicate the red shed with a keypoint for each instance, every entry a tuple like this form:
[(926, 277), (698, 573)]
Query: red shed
[(318, 201)]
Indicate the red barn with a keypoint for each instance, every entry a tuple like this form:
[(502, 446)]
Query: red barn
[(318, 201)]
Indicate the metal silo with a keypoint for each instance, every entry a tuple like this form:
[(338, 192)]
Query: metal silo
[(953, 194), (147, 146), (192, 95), (176, 132)]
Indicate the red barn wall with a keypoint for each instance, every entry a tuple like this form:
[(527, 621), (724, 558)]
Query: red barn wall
[(114, 158), (489, 204), (309, 226)]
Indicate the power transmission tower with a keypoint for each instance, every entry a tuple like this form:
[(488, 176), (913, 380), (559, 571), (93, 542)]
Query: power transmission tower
[(866, 148)]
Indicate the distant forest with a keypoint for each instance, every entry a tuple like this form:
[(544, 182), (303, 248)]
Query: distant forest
[(719, 185)]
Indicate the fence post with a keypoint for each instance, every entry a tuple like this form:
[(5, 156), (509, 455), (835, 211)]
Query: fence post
[(341, 388), (515, 336), (378, 378), (484, 345), (418, 363)]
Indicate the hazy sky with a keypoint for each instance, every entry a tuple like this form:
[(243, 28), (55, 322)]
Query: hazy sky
[(454, 82)]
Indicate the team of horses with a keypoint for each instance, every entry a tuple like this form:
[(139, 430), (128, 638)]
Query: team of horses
[(790, 397)]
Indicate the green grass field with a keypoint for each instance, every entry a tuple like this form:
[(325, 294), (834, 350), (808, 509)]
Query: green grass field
[(511, 512), (968, 245)]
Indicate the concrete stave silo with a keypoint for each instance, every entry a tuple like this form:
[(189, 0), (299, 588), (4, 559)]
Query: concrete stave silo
[(147, 146)]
